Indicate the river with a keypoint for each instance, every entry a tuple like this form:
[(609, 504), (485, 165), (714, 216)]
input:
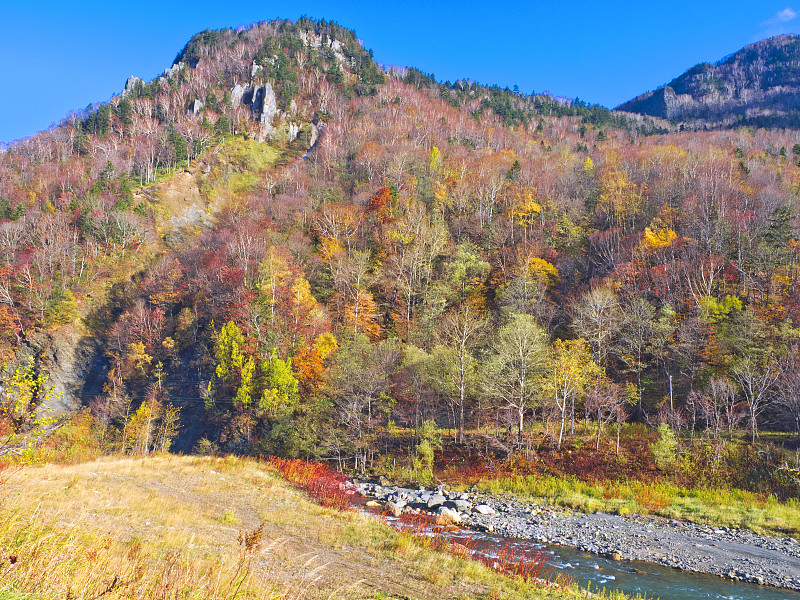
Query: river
[(646, 579)]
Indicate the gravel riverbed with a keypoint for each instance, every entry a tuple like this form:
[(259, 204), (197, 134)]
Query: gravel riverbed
[(737, 554)]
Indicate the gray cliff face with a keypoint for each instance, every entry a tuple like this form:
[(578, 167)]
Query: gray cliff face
[(170, 72), (265, 105), (272, 122), (758, 85), (237, 95), (75, 364), (130, 85)]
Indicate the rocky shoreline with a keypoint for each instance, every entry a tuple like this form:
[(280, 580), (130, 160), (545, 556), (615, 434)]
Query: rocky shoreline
[(737, 554)]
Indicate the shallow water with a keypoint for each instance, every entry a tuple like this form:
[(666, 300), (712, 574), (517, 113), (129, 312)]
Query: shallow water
[(649, 580)]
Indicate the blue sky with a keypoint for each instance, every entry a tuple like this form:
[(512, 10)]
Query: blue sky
[(60, 55)]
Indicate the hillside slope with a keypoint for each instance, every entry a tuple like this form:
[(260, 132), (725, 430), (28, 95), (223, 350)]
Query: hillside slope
[(758, 86), (192, 527), (254, 292)]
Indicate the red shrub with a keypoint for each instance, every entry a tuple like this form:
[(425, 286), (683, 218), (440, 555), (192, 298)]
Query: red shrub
[(503, 556), (323, 484)]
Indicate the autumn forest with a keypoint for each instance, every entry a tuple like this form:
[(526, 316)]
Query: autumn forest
[(282, 247)]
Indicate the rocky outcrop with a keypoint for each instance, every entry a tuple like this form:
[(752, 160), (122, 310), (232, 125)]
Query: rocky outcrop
[(170, 72), (758, 85), (265, 109), (131, 84), (237, 94), (663, 103), (272, 123), (315, 40), (75, 365), (134, 82)]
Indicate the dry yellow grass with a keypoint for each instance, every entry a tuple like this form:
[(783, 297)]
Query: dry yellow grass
[(185, 527)]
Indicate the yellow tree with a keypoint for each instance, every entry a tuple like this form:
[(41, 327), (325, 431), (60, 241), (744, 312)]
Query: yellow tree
[(523, 208), (138, 356), (361, 314), (24, 396), (167, 427), (655, 240), (140, 426), (288, 315), (308, 317), (308, 365), (280, 387), (568, 373), (619, 198), (543, 272), (228, 350), (274, 273)]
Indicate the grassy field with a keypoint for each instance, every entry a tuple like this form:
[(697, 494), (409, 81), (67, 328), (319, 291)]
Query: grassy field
[(720, 507), (184, 527), (743, 488)]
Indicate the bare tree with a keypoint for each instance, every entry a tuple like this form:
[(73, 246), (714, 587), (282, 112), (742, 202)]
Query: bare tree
[(519, 353), (596, 317), (636, 334), (605, 402), (787, 398), (757, 378), (459, 334)]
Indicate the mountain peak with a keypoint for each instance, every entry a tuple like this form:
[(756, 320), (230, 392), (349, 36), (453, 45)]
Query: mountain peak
[(757, 85)]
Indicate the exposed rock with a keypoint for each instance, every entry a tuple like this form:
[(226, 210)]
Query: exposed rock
[(196, 106), (436, 500), (72, 363), (294, 129), (237, 93), (663, 103), (264, 108), (130, 85), (170, 72), (459, 505), (447, 516), (314, 135), (395, 509), (484, 509), (193, 214)]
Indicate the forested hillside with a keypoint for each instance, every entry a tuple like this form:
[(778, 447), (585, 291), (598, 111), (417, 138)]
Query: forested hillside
[(756, 86), (280, 247)]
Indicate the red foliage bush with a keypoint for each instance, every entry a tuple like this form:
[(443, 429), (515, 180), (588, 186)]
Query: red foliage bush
[(323, 484), (501, 555)]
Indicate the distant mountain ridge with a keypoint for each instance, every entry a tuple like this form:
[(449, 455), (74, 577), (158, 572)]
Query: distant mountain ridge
[(759, 86)]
